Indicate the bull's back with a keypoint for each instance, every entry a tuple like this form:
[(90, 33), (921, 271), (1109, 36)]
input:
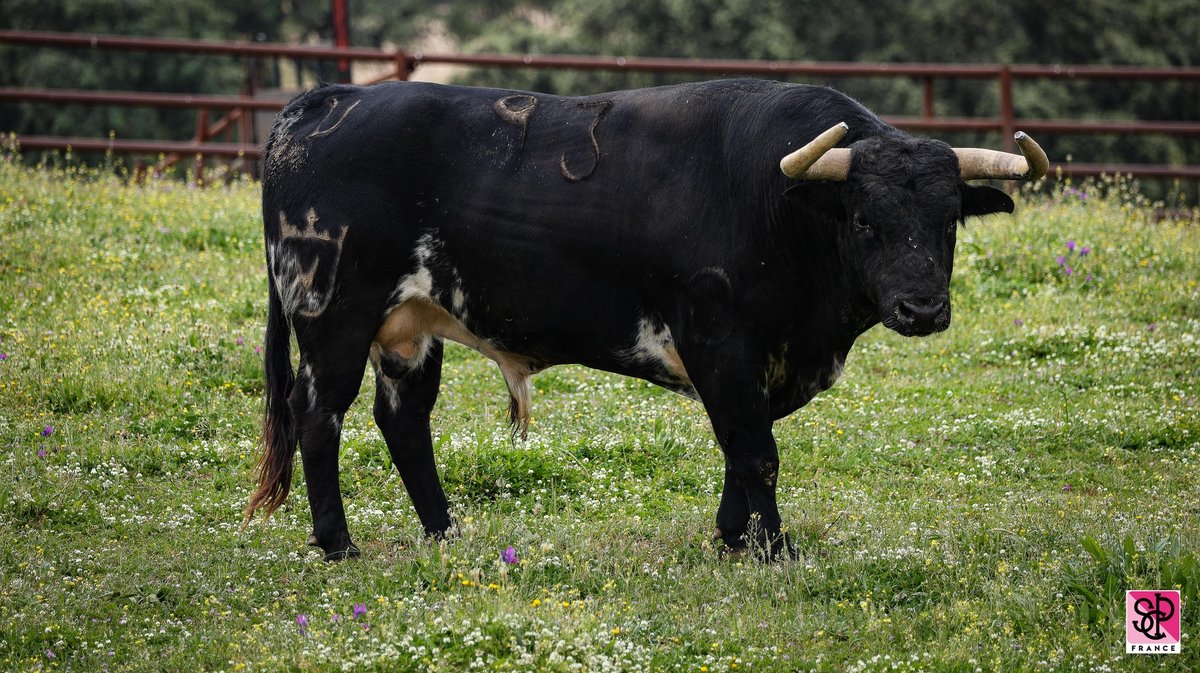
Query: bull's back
[(556, 227)]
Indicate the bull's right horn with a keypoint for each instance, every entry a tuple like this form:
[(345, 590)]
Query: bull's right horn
[(981, 164), (819, 159)]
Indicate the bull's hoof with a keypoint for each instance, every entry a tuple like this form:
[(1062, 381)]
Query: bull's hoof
[(733, 543), (771, 547), (727, 553), (781, 549), (762, 545), (337, 551), (442, 533), (349, 552)]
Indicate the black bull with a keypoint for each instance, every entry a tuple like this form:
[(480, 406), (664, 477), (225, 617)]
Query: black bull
[(649, 233)]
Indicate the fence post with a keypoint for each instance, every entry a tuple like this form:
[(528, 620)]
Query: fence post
[(927, 101), (402, 65), (201, 138), (1007, 123)]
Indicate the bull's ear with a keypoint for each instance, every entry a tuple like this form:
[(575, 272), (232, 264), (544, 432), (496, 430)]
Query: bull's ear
[(819, 196), (984, 200)]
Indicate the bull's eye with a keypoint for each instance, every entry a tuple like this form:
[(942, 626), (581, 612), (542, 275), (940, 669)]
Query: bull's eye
[(860, 225)]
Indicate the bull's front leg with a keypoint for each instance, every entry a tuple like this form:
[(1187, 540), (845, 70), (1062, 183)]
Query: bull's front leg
[(749, 511), (734, 397)]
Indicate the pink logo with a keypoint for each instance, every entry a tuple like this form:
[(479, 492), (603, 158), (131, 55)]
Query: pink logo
[(1152, 622)]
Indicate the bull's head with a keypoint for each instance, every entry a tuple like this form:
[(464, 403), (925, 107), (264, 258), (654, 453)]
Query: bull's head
[(900, 201)]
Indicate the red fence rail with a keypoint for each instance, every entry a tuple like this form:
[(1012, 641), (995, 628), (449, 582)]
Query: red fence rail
[(404, 63)]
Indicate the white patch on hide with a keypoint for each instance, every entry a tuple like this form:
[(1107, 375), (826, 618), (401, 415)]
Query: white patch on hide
[(419, 283), (457, 299), (388, 386), (416, 285), (310, 383), (654, 344), (426, 248)]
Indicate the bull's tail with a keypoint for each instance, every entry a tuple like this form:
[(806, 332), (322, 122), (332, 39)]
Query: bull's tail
[(279, 431)]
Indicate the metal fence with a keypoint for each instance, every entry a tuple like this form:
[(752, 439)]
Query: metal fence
[(232, 135)]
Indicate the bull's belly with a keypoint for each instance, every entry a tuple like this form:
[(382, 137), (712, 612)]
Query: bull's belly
[(408, 329)]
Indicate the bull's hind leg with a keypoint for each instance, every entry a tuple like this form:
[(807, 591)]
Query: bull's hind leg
[(327, 384), (405, 393)]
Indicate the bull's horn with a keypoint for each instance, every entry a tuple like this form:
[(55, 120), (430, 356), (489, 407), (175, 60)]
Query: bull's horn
[(820, 160), (980, 164)]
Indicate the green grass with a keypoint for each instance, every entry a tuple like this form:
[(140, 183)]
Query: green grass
[(975, 500)]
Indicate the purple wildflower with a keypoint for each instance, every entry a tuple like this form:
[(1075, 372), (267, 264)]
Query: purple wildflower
[(240, 341), (360, 609), (48, 430), (41, 453), (257, 349), (1067, 488), (1083, 252), (3, 357), (302, 622), (1071, 245), (1068, 271), (335, 618), (1062, 261), (1018, 322), (1088, 279), (510, 556), (50, 654), (1152, 326)]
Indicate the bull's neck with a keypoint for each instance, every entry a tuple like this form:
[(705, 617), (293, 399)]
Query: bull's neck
[(833, 296)]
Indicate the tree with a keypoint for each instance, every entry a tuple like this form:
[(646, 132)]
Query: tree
[(1152, 32)]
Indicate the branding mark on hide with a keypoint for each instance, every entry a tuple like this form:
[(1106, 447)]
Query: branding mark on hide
[(333, 103), (297, 257), (582, 173)]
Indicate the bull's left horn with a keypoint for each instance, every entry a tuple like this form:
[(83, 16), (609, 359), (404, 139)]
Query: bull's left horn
[(980, 164), (819, 159)]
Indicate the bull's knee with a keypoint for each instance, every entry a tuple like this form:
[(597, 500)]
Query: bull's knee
[(767, 472), (757, 473)]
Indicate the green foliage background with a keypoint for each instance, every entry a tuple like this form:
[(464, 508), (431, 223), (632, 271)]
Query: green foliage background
[(1153, 33)]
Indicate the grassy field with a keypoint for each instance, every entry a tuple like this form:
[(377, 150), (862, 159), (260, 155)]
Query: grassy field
[(977, 500)]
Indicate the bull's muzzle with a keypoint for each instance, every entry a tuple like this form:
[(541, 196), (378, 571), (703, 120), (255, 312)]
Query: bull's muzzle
[(919, 316)]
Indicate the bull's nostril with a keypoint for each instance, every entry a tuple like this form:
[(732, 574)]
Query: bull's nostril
[(921, 310)]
